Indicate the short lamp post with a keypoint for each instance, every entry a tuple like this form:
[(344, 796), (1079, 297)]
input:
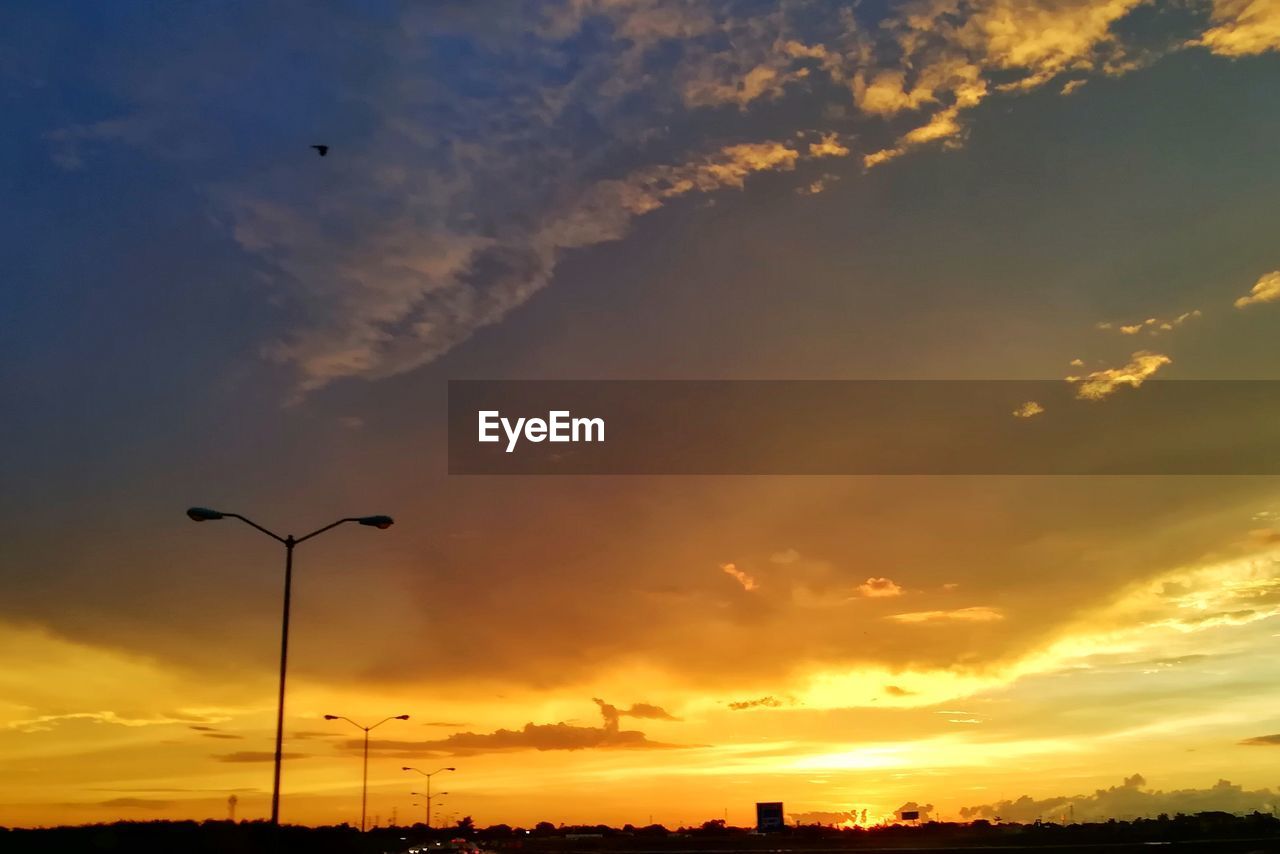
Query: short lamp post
[(364, 783), (427, 794)]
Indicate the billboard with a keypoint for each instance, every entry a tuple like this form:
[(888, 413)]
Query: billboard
[(911, 815), (769, 816)]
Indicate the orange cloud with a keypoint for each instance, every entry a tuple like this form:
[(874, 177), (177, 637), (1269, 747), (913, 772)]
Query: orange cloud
[(976, 614), (748, 583), (879, 588), (828, 146), (1101, 384)]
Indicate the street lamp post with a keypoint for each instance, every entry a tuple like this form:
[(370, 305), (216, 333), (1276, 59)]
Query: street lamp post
[(428, 792), (430, 799), (204, 514), (364, 785)]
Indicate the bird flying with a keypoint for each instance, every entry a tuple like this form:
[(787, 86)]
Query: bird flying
[(323, 149)]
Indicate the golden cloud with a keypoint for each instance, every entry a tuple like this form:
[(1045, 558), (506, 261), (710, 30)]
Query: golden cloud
[(828, 146), (885, 93), (1100, 384), (879, 588), (1242, 28), (1152, 325), (748, 583), (975, 614), (1030, 409), (1045, 38), (1267, 289)]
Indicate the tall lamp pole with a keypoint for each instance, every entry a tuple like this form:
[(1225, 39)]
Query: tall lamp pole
[(428, 793), (364, 785), (204, 514)]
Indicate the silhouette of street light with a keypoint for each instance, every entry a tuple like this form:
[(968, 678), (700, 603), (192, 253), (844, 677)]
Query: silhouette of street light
[(428, 776), (204, 514), (429, 799), (364, 785)]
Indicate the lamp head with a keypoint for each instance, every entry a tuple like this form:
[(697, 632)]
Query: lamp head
[(406, 768), (379, 522), (203, 514), (330, 717), (402, 717), (451, 768)]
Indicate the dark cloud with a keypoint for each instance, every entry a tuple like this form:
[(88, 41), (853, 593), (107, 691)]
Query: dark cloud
[(612, 713), (557, 736), (1269, 740), (647, 710), (221, 735), (255, 756), (912, 806), (895, 691), (1129, 800), (763, 702)]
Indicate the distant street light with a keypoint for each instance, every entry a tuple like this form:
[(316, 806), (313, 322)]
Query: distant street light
[(364, 785), (428, 792), (430, 799), (204, 514)]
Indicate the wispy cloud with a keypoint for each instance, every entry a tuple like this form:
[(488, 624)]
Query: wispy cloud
[(256, 756), (1152, 326), (748, 583), (460, 202), (975, 614), (47, 722)]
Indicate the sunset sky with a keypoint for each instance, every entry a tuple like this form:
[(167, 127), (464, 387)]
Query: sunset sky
[(195, 308)]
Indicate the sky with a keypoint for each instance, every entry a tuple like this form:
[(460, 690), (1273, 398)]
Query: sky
[(198, 309)]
